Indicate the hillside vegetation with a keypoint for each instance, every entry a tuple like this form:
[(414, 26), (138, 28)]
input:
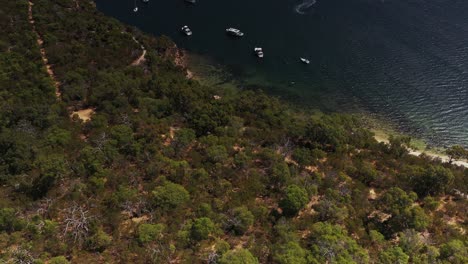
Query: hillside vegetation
[(169, 171)]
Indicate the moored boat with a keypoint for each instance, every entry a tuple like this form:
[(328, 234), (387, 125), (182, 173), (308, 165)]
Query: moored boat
[(186, 30), (234, 32), (259, 52)]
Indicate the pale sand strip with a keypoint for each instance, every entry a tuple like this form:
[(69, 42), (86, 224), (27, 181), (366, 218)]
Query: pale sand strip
[(443, 158), (45, 60)]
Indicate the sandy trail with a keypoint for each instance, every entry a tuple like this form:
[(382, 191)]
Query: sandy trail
[(45, 60), (142, 57)]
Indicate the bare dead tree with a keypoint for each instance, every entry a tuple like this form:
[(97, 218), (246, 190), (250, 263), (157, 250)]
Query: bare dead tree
[(44, 207), (135, 208), (125, 120), (161, 253), (21, 255), (77, 223), (26, 127), (231, 223), (100, 142), (213, 257)]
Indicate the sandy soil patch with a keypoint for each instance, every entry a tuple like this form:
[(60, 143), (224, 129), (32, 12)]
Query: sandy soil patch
[(84, 114)]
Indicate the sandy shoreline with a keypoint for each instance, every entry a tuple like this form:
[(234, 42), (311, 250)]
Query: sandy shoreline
[(380, 137)]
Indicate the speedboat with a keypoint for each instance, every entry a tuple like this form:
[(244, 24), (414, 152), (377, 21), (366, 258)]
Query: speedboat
[(186, 30), (234, 32), (191, 1), (306, 61), (259, 52)]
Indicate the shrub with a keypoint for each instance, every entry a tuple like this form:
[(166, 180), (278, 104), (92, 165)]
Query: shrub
[(149, 232), (58, 260), (8, 220), (239, 256), (99, 241)]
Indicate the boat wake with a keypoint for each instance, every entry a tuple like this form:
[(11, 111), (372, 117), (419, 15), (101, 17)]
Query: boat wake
[(303, 7)]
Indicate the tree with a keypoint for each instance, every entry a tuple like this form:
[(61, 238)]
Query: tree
[(240, 220), (59, 260), (432, 181), (411, 242), (399, 146), (99, 241), (77, 223), (393, 255), (404, 214), (149, 232), (328, 210), (238, 256), (331, 244), (456, 152), (279, 174), (8, 220), (455, 251), (202, 228), (217, 153), (302, 156), (58, 136), (290, 253), (183, 138), (295, 198), (170, 195)]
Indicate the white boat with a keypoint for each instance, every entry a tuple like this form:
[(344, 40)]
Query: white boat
[(235, 32), (136, 7), (259, 52), (306, 61), (191, 1), (186, 30), (145, 1)]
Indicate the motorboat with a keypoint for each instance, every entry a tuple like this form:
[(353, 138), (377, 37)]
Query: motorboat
[(234, 32), (186, 30), (306, 61), (259, 52)]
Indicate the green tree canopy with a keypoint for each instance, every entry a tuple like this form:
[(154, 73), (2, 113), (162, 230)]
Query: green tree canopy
[(170, 195), (59, 260), (456, 152), (455, 251), (202, 228), (149, 232), (238, 256), (240, 220), (393, 255), (290, 253), (295, 198), (330, 243)]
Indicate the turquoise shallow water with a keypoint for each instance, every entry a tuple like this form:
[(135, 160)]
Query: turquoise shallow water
[(404, 60)]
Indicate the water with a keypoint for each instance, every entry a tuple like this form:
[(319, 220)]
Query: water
[(405, 60)]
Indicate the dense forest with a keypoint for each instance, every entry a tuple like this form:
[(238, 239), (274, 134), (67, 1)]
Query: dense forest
[(169, 171)]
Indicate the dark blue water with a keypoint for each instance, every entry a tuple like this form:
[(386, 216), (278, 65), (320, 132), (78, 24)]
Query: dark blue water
[(405, 60)]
